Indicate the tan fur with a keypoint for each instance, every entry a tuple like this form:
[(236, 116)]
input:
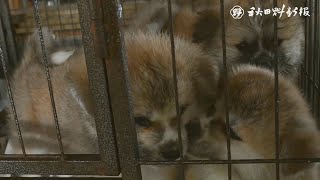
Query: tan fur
[(155, 17), (152, 90), (34, 110), (252, 118), (257, 32)]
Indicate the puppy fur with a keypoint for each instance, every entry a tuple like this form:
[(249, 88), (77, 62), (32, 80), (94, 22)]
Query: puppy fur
[(33, 104), (152, 90), (154, 17), (250, 40), (251, 107)]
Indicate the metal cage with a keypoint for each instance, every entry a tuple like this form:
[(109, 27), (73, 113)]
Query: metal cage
[(99, 22)]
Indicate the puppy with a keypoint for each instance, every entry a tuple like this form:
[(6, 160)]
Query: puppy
[(33, 104), (250, 40), (251, 107), (152, 89), (154, 17)]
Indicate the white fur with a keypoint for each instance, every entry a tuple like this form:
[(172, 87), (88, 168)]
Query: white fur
[(60, 57)]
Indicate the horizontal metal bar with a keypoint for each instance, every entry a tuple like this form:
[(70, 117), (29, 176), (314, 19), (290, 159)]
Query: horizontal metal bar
[(238, 161), (52, 157), (54, 168), (67, 178)]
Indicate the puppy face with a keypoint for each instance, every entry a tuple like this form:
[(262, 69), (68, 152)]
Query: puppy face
[(152, 88), (251, 110), (250, 40)]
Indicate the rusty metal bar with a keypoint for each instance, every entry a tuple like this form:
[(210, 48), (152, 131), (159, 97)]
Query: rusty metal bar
[(117, 70), (44, 56), (53, 167), (91, 33)]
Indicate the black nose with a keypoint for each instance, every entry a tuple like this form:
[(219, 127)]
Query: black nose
[(264, 60), (170, 154), (170, 151)]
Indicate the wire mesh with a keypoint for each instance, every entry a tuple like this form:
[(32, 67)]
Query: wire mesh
[(106, 23)]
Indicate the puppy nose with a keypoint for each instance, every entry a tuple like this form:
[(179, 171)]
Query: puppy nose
[(264, 60), (170, 154), (170, 150)]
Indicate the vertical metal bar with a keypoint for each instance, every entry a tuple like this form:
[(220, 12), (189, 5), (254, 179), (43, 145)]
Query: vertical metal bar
[(175, 85), (276, 92), (46, 13), (314, 82), (72, 24), (318, 60), (5, 71), (44, 56), (60, 22), (226, 86), (9, 33), (98, 83), (117, 69), (310, 57), (304, 66)]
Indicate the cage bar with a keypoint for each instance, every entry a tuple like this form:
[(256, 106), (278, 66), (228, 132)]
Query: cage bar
[(5, 71), (8, 34), (176, 95), (44, 56), (276, 93), (117, 73), (225, 84), (91, 30)]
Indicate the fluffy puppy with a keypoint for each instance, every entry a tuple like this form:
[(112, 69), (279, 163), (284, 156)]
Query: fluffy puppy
[(152, 91), (251, 107), (152, 88), (250, 40), (33, 104)]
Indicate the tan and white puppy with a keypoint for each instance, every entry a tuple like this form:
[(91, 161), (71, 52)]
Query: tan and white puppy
[(250, 40), (152, 90), (251, 107)]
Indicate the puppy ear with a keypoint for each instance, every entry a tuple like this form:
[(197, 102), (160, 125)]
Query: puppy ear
[(296, 146), (33, 48), (206, 27), (206, 80)]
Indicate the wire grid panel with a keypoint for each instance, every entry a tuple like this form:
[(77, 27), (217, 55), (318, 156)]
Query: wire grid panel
[(104, 164)]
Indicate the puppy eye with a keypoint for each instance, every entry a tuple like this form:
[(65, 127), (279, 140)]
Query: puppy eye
[(183, 109), (241, 46), (142, 121), (234, 135), (280, 41)]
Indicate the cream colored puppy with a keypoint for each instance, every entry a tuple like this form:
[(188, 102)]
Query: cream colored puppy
[(252, 126)]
